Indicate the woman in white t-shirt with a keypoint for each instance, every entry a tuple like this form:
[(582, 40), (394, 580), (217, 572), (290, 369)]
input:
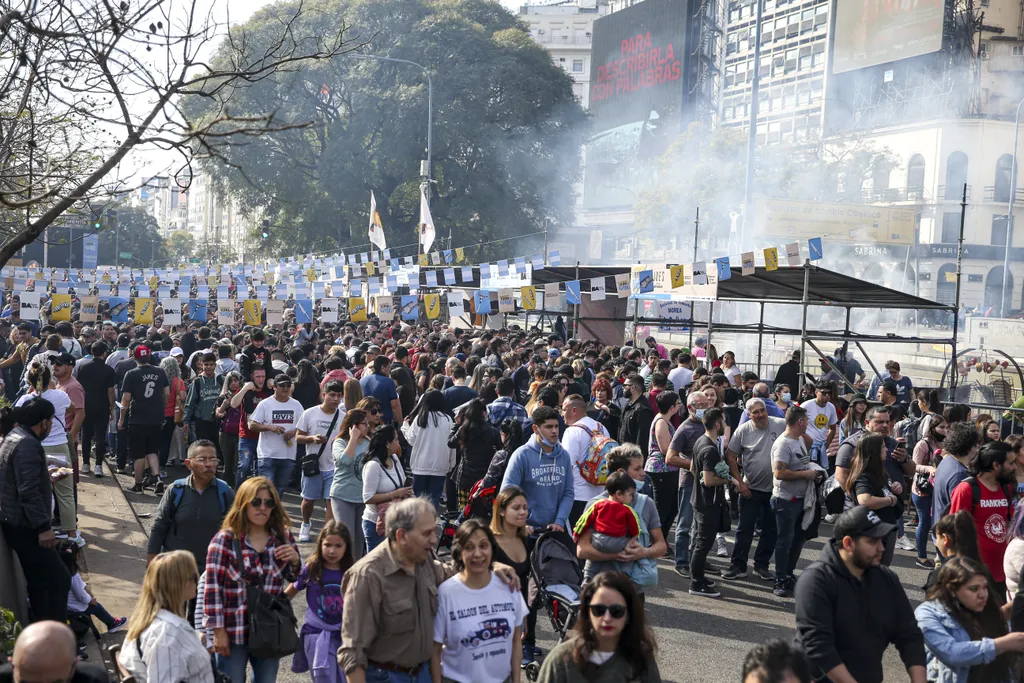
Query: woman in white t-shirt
[(56, 444), (383, 482), (478, 627)]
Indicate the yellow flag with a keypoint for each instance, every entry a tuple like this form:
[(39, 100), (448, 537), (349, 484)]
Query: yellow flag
[(951, 276), (154, 281), (677, 273), (529, 295), (460, 254), (371, 269), (212, 280), (269, 278), (433, 304), (357, 309), (423, 259), (143, 311), (311, 274), (61, 309), (771, 258), (253, 309)]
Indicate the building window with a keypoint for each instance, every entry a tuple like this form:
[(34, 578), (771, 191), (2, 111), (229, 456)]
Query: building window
[(1004, 167), (998, 230), (950, 227), (956, 175), (577, 66), (915, 175), (1018, 50)]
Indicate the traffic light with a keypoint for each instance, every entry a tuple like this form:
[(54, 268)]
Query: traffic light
[(265, 234)]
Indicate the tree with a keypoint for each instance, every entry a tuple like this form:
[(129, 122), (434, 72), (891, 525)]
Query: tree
[(181, 245), (708, 170), (507, 130), (85, 84), (136, 232)]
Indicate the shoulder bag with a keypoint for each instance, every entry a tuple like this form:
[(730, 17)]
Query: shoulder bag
[(272, 626), (310, 462), (382, 507)]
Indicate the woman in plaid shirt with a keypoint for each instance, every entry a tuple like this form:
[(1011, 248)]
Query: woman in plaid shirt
[(269, 557)]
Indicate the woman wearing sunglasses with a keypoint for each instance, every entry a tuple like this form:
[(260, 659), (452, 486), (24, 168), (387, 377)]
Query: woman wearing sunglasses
[(347, 486), (610, 643), (269, 559), (371, 407)]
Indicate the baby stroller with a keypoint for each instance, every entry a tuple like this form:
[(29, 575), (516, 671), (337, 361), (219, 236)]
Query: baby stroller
[(480, 504), (555, 582)]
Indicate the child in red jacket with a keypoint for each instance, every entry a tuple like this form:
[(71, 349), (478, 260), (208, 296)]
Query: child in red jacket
[(616, 525)]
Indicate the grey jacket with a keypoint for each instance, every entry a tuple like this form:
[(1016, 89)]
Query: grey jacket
[(558, 667), (26, 493), (193, 523)]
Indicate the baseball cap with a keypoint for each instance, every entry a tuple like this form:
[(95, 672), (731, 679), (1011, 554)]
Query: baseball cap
[(142, 351), (860, 521), (63, 358), (177, 351), (282, 379), (88, 331), (553, 353)]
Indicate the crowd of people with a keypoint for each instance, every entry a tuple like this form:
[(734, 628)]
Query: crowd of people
[(500, 439)]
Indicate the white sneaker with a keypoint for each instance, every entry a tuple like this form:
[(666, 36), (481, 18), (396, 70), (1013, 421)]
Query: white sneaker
[(85, 469), (98, 470), (830, 518), (77, 540), (723, 549), (304, 533), (904, 543)]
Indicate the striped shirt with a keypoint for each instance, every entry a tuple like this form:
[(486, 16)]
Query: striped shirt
[(225, 593), (168, 650)]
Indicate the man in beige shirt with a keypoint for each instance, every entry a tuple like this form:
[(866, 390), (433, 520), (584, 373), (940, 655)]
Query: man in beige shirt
[(391, 599)]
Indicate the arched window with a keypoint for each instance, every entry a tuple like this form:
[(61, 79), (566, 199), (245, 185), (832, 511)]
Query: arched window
[(1004, 168), (945, 291), (994, 289), (915, 176), (956, 175)]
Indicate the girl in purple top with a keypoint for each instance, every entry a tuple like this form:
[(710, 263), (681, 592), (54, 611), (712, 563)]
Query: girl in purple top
[(321, 579)]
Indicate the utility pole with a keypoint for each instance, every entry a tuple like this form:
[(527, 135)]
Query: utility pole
[(1006, 298), (755, 85), (696, 235)]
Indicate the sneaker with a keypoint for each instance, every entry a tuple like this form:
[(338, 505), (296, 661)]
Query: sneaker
[(124, 470), (528, 657), (764, 573), (830, 518), (163, 475), (159, 490), (77, 540), (723, 549), (60, 535), (85, 470), (304, 533), (118, 625), (924, 563), (98, 470), (733, 574), (904, 543), (781, 590), (705, 590), (683, 572), (136, 489), (712, 570)]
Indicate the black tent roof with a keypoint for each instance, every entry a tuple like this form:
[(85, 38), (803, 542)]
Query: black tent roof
[(782, 286)]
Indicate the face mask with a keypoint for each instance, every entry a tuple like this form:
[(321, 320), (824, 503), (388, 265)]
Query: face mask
[(787, 397), (549, 444), (639, 484), (699, 413)]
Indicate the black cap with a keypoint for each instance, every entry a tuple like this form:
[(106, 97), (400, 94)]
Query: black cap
[(63, 358), (282, 379), (860, 521)]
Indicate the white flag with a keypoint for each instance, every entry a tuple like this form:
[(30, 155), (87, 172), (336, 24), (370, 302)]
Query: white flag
[(426, 223), (376, 230)]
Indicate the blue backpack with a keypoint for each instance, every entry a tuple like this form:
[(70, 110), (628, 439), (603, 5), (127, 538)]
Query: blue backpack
[(178, 490)]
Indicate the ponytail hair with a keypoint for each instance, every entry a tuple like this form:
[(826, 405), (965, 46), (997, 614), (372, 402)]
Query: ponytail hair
[(29, 414), (39, 376)]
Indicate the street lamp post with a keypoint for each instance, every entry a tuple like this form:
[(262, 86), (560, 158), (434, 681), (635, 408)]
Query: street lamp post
[(746, 228), (1006, 297)]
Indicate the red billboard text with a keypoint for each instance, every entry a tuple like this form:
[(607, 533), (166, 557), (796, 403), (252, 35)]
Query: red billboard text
[(640, 64)]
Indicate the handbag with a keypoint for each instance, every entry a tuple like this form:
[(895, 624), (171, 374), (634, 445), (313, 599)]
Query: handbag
[(725, 518), (383, 507), (272, 626), (310, 462)]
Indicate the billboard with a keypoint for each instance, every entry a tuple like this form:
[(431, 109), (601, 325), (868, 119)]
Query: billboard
[(639, 97), (858, 223), (871, 32)]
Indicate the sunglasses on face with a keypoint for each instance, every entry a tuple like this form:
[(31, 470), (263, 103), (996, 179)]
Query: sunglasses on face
[(374, 411), (616, 611), (268, 503)]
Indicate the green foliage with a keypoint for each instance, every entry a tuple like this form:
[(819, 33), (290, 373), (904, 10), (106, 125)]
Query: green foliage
[(135, 231), (181, 244), (507, 129), (708, 169), (9, 630)]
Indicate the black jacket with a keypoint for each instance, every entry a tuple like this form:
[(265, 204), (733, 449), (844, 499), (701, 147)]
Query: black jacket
[(844, 620), (635, 426), (253, 357), (788, 374), (475, 456), (26, 493)]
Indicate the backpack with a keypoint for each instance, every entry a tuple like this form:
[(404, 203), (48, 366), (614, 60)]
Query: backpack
[(908, 430), (976, 496), (594, 467), (178, 491)]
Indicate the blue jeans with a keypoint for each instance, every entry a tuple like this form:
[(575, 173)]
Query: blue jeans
[(246, 456), (752, 510), (431, 486), (263, 670), (377, 675), (277, 470), (373, 539), (684, 520), (924, 522), (819, 454), (788, 514)]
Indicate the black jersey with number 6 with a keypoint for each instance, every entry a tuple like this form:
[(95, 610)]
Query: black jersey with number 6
[(146, 384)]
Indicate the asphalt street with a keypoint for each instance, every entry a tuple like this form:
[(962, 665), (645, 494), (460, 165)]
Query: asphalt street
[(700, 640)]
